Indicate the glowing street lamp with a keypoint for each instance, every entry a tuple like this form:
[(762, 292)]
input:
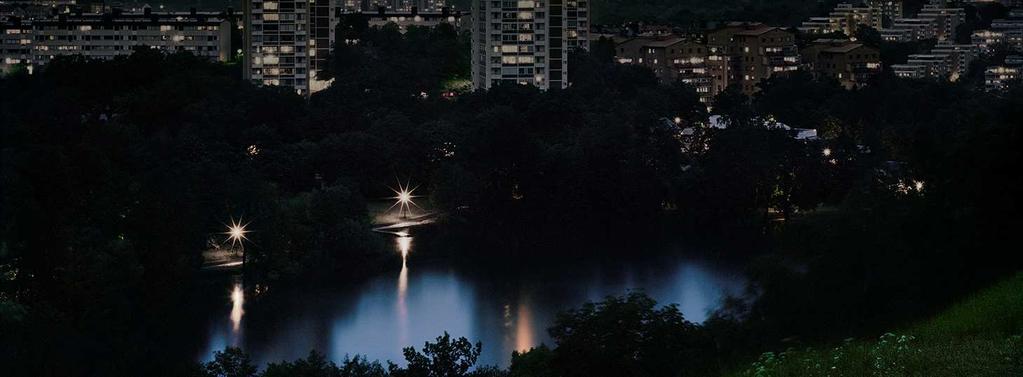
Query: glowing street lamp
[(236, 233), (403, 199)]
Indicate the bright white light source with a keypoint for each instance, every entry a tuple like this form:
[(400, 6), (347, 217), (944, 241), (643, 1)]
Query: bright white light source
[(236, 232), (404, 198)]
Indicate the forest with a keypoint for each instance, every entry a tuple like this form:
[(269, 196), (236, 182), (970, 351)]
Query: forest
[(117, 174)]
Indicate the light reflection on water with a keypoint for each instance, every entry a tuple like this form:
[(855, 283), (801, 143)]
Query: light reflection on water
[(227, 331), (506, 308), (524, 328), (237, 308), (404, 244)]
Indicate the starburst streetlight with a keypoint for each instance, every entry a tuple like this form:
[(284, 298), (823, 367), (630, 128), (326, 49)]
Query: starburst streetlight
[(403, 199), (236, 233)]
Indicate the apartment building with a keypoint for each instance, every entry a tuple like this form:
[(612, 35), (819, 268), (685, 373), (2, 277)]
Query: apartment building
[(890, 10), (577, 24), (851, 64), (523, 42), (946, 60), (1007, 32), (920, 66), (15, 44), (936, 20), (750, 53), (404, 20), (961, 54), (108, 35), (394, 6), (845, 18), (287, 43), (999, 77), (672, 58), (946, 19), (909, 29)]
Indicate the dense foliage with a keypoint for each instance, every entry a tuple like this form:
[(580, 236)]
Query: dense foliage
[(117, 175)]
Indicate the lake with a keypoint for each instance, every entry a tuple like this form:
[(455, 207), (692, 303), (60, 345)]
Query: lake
[(506, 307)]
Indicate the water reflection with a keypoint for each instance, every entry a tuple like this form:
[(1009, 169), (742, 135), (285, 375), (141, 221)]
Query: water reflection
[(524, 328), (506, 307), (226, 331), (237, 308), (404, 245)]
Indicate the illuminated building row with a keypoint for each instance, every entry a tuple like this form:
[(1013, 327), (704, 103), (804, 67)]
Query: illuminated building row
[(288, 41), (105, 36)]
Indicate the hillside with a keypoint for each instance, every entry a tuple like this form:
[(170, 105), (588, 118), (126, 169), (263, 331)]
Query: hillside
[(980, 336)]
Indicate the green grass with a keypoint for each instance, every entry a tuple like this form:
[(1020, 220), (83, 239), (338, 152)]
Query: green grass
[(980, 336)]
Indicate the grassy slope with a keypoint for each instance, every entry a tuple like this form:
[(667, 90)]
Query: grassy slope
[(979, 336)]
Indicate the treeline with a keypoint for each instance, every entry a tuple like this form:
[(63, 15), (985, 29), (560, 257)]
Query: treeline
[(117, 175), (929, 180), (619, 336), (631, 336)]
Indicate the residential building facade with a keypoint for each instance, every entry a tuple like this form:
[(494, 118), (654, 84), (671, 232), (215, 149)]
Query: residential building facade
[(750, 53), (108, 35), (845, 18), (287, 43), (524, 42), (851, 64), (672, 59)]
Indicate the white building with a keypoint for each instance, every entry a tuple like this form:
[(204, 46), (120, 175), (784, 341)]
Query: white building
[(946, 19), (287, 42), (961, 56), (925, 66), (525, 41), (909, 29), (889, 9), (936, 20), (108, 35)]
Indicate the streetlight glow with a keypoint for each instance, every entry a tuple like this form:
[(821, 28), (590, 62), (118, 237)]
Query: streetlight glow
[(404, 199), (236, 232)]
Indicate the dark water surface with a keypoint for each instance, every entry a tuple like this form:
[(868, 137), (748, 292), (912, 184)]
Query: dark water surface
[(506, 307)]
